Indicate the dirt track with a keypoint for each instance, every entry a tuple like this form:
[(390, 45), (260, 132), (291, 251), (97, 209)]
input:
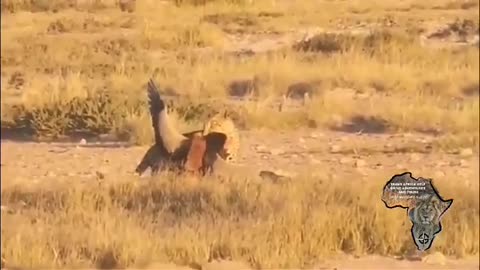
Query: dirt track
[(342, 154)]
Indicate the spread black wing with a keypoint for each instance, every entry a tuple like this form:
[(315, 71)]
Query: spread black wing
[(156, 105)]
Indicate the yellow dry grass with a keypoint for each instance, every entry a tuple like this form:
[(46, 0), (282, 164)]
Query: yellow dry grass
[(68, 52), (287, 225)]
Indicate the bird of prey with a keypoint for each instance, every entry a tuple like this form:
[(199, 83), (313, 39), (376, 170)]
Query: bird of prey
[(172, 148)]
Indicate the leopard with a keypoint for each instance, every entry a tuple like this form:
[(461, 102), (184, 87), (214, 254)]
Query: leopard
[(223, 123)]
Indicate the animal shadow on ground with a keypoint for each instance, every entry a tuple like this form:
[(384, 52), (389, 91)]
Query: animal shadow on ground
[(24, 135), (17, 134), (363, 124), (429, 131), (104, 145)]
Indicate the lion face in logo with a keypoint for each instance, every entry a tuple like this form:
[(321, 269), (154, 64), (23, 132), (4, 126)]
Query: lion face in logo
[(426, 212)]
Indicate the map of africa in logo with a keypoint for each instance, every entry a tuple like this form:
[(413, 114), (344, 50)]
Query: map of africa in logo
[(425, 206)]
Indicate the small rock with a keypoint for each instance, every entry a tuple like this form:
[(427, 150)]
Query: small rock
[(344, 160), (439, 174), (363, 95), (421, 140), (260, 148), (301, 140), (335, 148), (264, 157), (316, 135), (435, 258), (277, 151), (83, 141), (50, 174), (360, 163), (466, 152), (463, 163)]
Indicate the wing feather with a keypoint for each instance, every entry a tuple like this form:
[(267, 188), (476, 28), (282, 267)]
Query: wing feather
[(165, 132)]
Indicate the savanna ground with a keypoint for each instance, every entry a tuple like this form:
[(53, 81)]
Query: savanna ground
[(398, 92)]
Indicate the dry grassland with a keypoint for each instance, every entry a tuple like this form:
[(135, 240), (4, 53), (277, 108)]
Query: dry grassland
[(80, 67), (267, 225)]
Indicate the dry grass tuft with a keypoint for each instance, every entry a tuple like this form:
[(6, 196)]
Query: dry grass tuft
[(13, 6)]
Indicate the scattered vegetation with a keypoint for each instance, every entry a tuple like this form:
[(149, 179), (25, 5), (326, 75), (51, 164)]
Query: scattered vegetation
[(285, 225), (369, 43), (62, 76)]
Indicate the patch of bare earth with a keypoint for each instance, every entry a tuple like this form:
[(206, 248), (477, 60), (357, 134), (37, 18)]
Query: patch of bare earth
[(342, 154)]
